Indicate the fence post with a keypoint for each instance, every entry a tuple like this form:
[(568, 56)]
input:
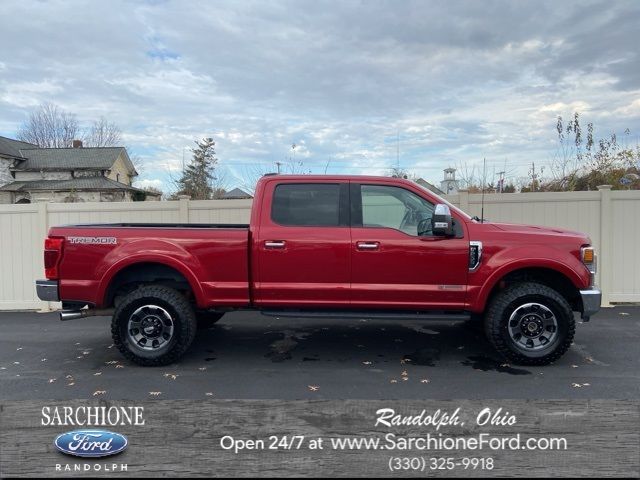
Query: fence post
[(464, 201), (604, 263), (183, 213), (43, 231)]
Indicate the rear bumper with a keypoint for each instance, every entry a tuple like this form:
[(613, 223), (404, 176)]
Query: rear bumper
[(591, 300), (47, 290)]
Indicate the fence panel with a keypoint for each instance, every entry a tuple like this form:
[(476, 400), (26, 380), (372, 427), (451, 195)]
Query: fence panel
[(611, 219)]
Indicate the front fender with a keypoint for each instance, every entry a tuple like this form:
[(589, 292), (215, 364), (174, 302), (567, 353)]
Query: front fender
[(503, 263)]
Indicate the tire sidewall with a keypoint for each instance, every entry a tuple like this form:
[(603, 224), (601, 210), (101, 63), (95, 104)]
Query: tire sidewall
[(180, 327)]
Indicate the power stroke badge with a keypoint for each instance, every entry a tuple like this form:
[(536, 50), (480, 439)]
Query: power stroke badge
[(91, 443)]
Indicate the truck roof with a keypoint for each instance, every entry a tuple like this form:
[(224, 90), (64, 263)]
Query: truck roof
[(308, 178)]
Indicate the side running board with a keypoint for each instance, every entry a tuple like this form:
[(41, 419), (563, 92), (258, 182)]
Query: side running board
[(384, 315)]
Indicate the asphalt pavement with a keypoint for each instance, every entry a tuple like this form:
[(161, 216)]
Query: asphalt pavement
[(247, 355)]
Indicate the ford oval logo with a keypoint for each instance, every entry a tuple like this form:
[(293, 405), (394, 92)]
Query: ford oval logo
[(91, 443)]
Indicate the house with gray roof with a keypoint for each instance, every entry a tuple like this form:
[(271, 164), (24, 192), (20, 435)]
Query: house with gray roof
[(236, 194), (78, 174)]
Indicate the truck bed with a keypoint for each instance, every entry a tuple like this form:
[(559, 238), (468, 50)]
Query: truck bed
[(161, 225), (213, 258)]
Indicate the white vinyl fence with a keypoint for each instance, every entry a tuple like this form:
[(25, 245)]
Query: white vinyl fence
[(610, 218)]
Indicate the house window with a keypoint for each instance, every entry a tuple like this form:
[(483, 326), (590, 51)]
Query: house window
[(117, 177)]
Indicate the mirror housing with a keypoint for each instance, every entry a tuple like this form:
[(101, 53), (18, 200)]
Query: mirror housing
[(441, 222)]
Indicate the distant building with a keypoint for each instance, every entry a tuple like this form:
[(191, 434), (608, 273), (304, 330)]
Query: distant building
[(449, 185), (68, 175), (236, 194)]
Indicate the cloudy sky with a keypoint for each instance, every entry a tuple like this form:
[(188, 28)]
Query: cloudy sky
[(351, 83)]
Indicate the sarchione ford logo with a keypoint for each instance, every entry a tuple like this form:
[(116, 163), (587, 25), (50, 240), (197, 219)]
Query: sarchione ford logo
[(90, 443)]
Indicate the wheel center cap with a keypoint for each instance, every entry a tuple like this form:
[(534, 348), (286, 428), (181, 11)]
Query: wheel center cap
[(151, 326), (531, 326)]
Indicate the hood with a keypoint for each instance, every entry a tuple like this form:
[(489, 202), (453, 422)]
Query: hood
[(514, 227)]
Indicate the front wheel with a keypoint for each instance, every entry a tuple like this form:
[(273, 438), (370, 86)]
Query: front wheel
[(153, 325), (530, 324)]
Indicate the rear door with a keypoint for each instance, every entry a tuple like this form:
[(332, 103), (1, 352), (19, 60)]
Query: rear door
[(303, 245), (394, 267)]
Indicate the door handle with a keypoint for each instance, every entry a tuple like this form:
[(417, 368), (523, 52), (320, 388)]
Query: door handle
[(368, 246), (274, 244)]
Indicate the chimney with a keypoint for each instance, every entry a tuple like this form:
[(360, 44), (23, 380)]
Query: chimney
[(76, 144)]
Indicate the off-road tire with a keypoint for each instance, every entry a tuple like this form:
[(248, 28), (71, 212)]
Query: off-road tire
[(207, 320), (507, 301), (182, 315)]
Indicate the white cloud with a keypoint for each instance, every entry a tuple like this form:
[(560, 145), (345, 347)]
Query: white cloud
[(147, 183), (457, 81)]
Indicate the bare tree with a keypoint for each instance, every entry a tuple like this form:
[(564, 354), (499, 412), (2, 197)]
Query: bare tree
[(219, 184), (252, 174), (468, 178), (49, 126), (103, 134), (399, 172)]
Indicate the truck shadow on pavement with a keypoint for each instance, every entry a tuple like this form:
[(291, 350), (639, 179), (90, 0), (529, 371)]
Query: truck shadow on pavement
[(372, 343)]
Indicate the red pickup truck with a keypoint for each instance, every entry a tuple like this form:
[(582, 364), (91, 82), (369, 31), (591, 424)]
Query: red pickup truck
[(341, 246)]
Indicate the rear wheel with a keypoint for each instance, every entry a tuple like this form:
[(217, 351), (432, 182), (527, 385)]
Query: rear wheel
[(530, 324), (153, 325)]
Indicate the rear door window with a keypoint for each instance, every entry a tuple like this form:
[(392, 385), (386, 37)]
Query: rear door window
[(308, 204)]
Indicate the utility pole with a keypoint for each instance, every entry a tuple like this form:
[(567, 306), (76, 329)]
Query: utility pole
[(501, 181), (533, 176), (278, 165), (398, 150)]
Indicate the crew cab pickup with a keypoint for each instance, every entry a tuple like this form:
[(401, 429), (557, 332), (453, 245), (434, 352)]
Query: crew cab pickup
[(341, 246)]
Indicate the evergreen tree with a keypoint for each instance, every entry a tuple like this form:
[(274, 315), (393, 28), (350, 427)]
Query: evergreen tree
[(197, 178)]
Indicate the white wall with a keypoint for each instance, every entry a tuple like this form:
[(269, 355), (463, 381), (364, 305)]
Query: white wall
[(611, 219)]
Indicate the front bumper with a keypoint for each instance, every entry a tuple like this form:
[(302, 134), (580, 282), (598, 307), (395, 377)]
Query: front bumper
[(591, 300), (47, 290)]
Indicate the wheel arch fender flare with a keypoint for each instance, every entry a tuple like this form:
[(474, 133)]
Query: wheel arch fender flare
[(145, 258), (480, 302)]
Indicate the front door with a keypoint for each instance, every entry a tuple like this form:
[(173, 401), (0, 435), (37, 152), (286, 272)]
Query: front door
[(303, 245), (394, 267)]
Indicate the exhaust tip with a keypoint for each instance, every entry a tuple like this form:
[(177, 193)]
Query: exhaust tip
[(71, 315)]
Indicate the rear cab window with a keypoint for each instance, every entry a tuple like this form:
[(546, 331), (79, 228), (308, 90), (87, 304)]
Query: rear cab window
[(310, 204)]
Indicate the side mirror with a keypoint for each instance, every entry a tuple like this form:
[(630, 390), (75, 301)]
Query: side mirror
[(441, 223)]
